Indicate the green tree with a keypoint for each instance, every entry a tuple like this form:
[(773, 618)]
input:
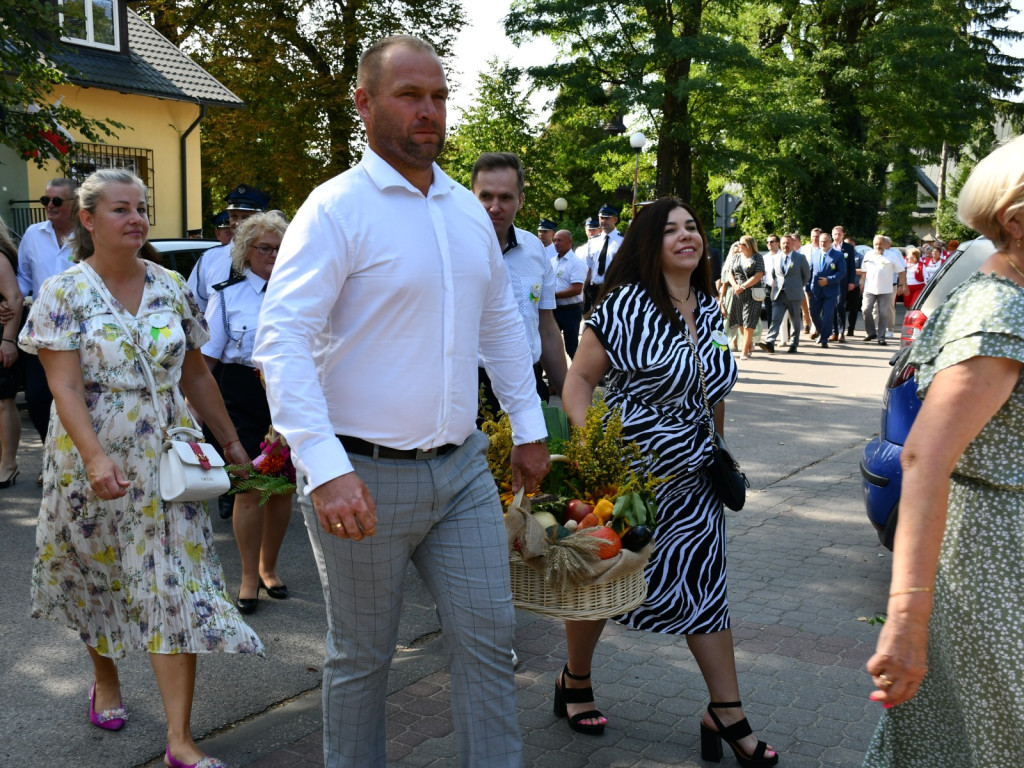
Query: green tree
[(294, 63), (30, 61)]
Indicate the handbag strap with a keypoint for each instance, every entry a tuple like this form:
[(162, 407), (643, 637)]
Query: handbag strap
[(703, 384), (147, 364)]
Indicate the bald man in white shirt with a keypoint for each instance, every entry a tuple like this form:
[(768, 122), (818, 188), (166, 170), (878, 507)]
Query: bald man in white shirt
[(388, 284)]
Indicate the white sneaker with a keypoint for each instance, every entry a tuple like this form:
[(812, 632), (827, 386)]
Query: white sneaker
[(515, 659)]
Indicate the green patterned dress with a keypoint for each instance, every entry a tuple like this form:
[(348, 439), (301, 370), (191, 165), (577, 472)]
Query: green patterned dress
[(134, 573), (969, 711)]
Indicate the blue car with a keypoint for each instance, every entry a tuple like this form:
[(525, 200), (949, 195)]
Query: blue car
[(880, 465)]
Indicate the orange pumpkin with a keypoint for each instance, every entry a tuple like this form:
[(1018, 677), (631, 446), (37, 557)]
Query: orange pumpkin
[(610, 544)]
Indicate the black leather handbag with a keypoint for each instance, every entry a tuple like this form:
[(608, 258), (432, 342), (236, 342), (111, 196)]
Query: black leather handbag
[(726, 477), (724, 471)]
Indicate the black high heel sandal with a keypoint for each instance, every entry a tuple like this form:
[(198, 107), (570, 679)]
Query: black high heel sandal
[(711, 740), (565, 696)]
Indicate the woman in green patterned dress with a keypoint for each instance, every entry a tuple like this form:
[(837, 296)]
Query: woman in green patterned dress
[(949, 666)]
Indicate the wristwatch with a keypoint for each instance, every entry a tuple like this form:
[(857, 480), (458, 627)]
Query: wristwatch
[(541, 441)]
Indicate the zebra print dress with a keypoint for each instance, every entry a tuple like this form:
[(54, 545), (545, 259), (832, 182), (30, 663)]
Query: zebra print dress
[(654, 381)]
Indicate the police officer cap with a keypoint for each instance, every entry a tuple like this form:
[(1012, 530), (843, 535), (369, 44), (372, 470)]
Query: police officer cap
[(220, 221), (246, 198), (546, 225), (607, 210), (592, 223)]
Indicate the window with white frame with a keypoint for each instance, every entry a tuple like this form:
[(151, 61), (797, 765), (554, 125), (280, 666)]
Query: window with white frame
[(91, 22)]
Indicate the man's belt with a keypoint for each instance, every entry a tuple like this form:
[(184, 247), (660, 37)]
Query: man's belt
[(362, 447)]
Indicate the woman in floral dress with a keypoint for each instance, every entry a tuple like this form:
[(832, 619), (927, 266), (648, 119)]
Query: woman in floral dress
[(114, 562), (949, 666)]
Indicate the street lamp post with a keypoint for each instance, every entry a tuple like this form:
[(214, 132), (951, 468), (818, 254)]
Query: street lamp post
[(560, 205), (637, 142)]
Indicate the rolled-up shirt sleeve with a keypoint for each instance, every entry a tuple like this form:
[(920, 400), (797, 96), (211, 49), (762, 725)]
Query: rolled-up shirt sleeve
[(305, 285)]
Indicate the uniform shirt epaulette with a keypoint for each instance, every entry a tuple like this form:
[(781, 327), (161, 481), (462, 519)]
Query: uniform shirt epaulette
[(235, 278)]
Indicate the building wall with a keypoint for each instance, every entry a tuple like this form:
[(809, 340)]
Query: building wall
[(150, 124)]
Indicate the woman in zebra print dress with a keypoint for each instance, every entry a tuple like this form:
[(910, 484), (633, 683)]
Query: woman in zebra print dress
[(658, 308)]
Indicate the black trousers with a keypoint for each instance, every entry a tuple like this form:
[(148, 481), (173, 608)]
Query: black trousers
[(568, 317), (37, 395)]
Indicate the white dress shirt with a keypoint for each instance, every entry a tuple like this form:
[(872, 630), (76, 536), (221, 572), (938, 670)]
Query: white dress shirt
[(879, 273), (533, 282), (214, 266), (596, 245), (232, 314), (380, 301), (40, 256), (569, 269)]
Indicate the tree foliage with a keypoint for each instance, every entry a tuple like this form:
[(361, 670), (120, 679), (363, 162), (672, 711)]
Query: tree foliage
[(30, 123), (820, 109), (294, 63)]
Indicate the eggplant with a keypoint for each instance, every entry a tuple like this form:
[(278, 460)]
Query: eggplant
[(637, 537)]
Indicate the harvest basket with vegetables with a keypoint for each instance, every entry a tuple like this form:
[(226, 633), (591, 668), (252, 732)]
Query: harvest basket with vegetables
[(578, 547)]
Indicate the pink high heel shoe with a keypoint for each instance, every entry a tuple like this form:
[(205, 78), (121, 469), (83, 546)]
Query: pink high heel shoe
[(205, 762), (108, 719)]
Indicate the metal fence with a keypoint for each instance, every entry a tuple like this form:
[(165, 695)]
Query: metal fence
[(82, 160)]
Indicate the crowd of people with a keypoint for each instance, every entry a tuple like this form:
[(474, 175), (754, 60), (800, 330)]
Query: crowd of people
[(269, 327), (820, 288)]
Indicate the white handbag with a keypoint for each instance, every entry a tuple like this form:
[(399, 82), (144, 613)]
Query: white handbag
[(190, 470)]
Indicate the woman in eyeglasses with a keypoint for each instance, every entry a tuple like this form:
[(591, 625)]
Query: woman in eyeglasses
[(232, 314)]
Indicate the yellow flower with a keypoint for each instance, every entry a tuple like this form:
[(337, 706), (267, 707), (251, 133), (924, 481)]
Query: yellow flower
[(65, 444), (106, 556), (195, 551), (156, 642)]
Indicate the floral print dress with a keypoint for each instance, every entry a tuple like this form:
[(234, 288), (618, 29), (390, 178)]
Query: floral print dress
[(134, 573), (969, 710)]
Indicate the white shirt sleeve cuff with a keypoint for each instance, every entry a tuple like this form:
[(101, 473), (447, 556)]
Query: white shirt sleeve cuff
[(528, 426), (322, 461)]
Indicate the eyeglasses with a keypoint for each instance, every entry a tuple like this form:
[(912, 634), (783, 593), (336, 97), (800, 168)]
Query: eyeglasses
[(772, 241), (57, 201), (265, 250)]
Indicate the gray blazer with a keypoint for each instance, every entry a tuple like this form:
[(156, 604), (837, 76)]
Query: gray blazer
[(792, 281)]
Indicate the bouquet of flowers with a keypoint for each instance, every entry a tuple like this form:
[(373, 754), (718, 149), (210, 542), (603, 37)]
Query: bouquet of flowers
[(270, 473)]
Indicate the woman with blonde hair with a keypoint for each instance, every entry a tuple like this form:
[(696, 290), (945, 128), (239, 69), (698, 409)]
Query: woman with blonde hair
[(949, 659), (747, 271), (123, 568), (232, 315)]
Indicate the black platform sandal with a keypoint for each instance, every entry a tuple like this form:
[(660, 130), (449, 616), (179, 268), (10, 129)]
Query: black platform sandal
[(711, 740), (565, 696)]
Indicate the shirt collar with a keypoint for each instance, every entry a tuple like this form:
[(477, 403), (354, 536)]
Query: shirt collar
[(255, 282), (385, 176), (511, 241)]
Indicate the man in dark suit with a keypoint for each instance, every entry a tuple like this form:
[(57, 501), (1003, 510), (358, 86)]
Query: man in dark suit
[(847, 286), (828, 271), (790, 273)]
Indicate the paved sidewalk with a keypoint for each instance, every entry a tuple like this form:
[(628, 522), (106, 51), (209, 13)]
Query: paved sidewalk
[(804, 568)]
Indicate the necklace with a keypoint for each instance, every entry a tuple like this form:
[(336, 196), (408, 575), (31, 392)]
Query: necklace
[(689, 290), (1013, 266)]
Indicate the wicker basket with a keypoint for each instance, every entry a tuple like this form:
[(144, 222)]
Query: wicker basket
[(599, 601)]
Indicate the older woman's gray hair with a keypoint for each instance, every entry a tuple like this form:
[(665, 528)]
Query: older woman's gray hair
[(994, 192), (249, 232), (89, 195)]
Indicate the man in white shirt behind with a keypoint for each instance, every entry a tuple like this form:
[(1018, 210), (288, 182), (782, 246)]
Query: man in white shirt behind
[(45, 251), (498, 183), (388, 284)]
